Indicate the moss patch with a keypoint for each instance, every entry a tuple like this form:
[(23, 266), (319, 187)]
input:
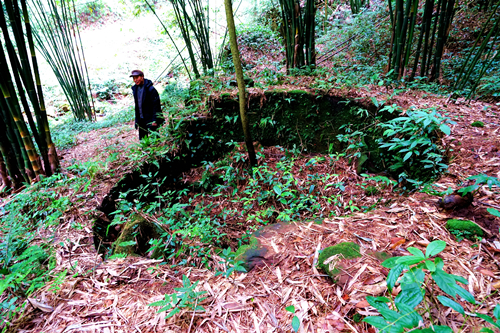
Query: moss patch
[(252, 245), (347, 250), (477, 124), (135, 236), (464, 229)]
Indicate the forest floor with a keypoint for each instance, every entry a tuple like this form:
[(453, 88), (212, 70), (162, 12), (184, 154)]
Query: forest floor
[(113, 295)]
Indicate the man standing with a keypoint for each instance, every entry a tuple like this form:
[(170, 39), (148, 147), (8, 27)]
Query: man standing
[(147, 104)]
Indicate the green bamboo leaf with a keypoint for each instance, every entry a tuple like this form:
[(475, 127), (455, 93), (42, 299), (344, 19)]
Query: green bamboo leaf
[(487, 319), (452, 304), (127, 243)]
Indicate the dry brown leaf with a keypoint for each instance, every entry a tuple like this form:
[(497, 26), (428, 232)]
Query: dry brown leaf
[(362, 304), (487, 272), (397, 241)]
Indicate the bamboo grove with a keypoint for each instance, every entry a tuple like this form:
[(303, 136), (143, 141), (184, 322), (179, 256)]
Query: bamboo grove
[(58, 38), (434, 27), (299, 33), (26, 147)]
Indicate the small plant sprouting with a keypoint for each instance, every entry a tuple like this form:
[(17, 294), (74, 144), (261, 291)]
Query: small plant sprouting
[(295, 319), (230, 264), (184, 298)]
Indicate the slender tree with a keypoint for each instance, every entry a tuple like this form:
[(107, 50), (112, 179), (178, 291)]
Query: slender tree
[(241, 83)]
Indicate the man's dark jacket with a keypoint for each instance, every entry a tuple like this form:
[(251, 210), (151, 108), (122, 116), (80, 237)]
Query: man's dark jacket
[(150, 104)]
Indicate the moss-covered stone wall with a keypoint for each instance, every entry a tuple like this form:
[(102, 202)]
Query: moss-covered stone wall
[(306, 119)]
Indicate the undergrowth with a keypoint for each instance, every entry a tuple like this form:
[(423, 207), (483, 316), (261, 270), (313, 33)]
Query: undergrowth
[(27, 236)]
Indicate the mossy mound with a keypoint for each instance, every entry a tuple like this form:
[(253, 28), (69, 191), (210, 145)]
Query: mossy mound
[(135, 236), (252, 245), (347, 250), (464, 229), (252, 254), (477, 123)]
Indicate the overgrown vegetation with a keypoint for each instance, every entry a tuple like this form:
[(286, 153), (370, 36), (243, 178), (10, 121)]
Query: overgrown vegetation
[(205, 212)]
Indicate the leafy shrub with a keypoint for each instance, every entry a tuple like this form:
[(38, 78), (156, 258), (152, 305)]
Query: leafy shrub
[(408, 146), (24, 266), (407, 310), (411, 147), (184, 298), (257, 37)]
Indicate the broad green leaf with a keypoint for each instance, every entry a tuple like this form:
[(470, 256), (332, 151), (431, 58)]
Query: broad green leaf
[(460, 279), (493, 211), (496, 311), (295, 323), (445, 282), (439, 263), (465, 294), (411, 296), (377, 322), (277, 189), (409, 260), (410, 313), (445, 129), (434, 248), (391, 262), (430, 265), (437, 329), (414, 275), (452, 304), (290, 308), (416, 252), (393, 275), (442, 329)]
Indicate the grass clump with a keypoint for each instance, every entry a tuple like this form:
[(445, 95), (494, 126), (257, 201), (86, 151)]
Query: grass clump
[(477, 123), (464, 229), (346, 250)]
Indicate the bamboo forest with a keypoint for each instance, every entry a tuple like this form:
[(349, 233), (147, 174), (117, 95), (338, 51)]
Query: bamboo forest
[(250, 166)]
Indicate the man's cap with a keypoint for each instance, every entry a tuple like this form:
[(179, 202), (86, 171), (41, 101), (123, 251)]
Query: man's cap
[(136, 72)]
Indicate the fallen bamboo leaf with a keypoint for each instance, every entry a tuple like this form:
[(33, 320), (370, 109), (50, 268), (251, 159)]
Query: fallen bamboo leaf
[(40, 305)]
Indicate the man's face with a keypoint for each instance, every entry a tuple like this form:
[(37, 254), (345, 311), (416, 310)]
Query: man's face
[(138, 80)]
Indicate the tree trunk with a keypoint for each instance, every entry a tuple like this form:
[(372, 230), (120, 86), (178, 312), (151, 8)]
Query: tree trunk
[(241, 83)]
